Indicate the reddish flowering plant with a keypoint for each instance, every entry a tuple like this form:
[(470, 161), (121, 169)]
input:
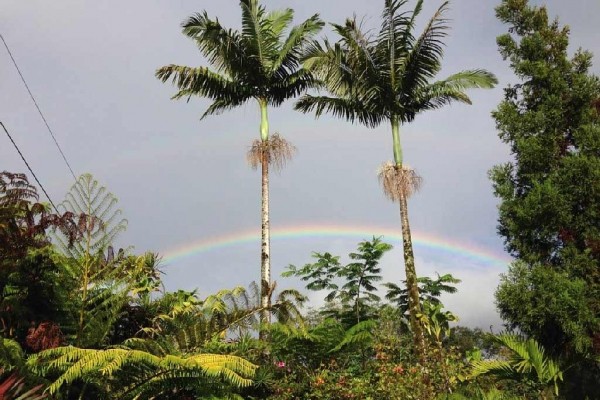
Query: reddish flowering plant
[(46, 335), (398, 369)]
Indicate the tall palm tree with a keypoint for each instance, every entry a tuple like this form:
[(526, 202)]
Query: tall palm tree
[(388, 78), (261, 62)]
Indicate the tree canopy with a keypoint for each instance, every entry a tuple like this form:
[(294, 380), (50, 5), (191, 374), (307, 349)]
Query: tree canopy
[(550, 194)]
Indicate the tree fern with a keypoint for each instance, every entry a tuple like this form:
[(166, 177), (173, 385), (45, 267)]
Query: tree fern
[(104, 281), (129, 373), (99, 221), (360, 335)]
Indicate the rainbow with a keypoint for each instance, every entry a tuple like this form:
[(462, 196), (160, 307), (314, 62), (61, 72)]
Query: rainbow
[(333, 231)]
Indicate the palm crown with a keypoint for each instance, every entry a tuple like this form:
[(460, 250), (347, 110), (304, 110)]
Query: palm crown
[(259, 62), (373, 78)]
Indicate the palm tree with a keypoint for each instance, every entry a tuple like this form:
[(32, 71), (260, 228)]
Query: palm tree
[(261, 62), (374, 79)]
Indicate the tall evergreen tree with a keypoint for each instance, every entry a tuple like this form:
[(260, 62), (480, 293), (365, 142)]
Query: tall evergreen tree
[(550, 193)]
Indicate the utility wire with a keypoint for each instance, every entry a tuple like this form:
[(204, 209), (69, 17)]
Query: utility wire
[(38, 107), (28, 167)]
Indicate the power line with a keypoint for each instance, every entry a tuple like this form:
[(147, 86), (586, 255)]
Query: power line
[(38, 107), (29, 168)]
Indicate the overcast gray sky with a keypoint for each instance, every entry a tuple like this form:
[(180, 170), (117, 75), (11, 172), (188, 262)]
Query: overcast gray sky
[(181, 180)]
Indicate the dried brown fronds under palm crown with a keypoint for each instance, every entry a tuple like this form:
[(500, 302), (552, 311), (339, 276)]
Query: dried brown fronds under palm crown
[(276, 149), (397, 179)]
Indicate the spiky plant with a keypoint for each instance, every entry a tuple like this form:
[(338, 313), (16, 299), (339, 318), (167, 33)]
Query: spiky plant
[(13, 387), (389, 78), (261, 63)]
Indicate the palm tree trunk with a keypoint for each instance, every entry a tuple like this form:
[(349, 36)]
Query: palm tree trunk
[(265, 251), (411, 279), (396, 141), (409, 257), (357, 303)]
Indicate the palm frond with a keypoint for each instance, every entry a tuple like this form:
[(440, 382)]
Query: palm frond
[(472, 79), (526, 362), (223, 48), (395, 36), (364, 63), (203, 82), (452, 89), (289, 86), (349, 109), (290, 54), (219, 106), (423, 60), (278, 21), (259, 40)]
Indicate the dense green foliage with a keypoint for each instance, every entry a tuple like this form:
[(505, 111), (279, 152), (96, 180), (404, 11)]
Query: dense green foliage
[(113, 335), (550, 193), (77, 292)]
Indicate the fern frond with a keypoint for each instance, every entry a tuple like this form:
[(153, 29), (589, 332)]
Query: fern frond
[(360, 334), (11, 354), (140, 368)]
